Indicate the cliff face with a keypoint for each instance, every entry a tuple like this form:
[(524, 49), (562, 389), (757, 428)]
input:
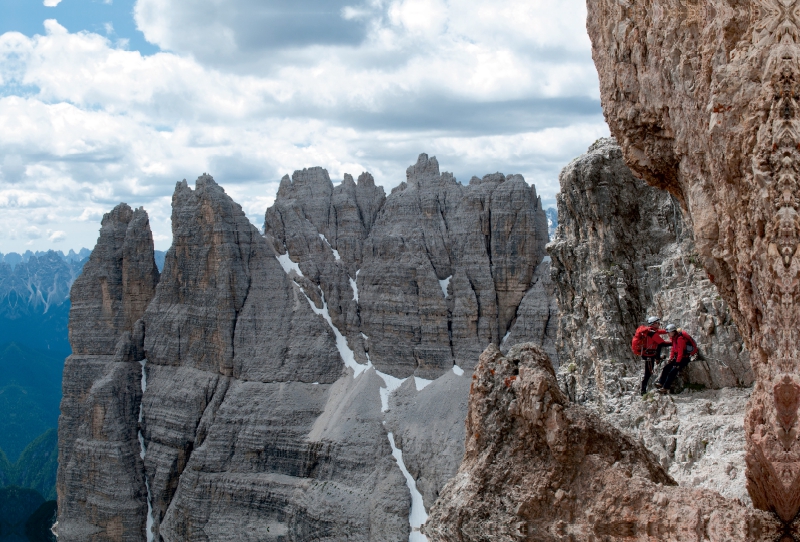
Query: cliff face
[(538, 317), (101, 485), (423, 280), (539, 467), (286, 377), (542, 457), (621, 253), (704, 100)]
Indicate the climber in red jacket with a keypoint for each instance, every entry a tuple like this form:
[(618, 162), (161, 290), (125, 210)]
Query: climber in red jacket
[(683, 348), (648, 343)]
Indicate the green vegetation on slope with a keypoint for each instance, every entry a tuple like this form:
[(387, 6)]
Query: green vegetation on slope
[(6, 471), (47, 331), (30, 394), (16, 506), (37, 528), (36, 467)]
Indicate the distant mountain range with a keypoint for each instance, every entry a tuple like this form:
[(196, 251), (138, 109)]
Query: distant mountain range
[(34, 298), (14, 258), (34, 313), (552, 221)]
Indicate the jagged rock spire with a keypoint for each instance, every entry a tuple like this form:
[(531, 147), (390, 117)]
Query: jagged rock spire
[(102, 389)]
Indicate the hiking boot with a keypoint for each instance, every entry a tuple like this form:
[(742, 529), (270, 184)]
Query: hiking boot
[(663, 391)]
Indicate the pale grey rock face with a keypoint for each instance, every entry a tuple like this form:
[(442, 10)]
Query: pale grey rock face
[(428, 425), (265, 416), (240, 371), (486, 238), (622, 252), (698, 437), (116, 285), (276, 468), (323, 228), (429, 275), (101, 486), (537, 317), (225, 305)]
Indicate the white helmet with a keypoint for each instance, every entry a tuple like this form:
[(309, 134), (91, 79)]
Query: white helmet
[(671, 327), (652, 320)]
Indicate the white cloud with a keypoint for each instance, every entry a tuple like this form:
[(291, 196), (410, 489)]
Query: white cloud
[(419, 16), (508, 86), (51, 3), (56, 236), (91, 214)]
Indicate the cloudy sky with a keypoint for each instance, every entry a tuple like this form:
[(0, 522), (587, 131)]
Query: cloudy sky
[(103, 101)]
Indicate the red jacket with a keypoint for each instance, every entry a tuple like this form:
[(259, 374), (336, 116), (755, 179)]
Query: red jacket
[(654, 339), (679, 344)]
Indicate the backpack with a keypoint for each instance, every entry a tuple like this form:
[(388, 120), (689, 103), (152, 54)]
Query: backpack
[(691, 345), (639, 340)]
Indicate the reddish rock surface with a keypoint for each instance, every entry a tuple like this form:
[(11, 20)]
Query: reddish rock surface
[(703, 98), (538, 467)]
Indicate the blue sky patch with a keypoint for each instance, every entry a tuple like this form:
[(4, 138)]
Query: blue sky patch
[(113, 19)]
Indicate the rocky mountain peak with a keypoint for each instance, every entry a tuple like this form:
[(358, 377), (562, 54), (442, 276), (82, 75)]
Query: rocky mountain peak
[(425, 173), (492, 178), (439, 242), (365, 178), (116, 285), (283, 373), (425, 168), (102, 383), (308, 183), (208, 227)]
